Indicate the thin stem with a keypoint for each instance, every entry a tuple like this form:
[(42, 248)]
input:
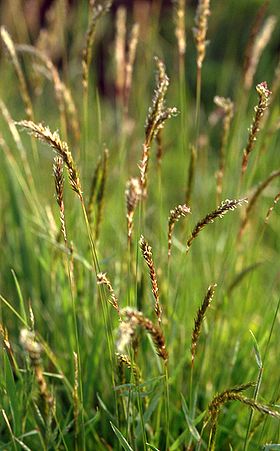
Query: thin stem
[(197, 106), (167, 405)]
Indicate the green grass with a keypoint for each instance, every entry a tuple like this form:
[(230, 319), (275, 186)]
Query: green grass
[(88, 404)]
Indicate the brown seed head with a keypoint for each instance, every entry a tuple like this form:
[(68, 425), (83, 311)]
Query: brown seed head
[(44, 134), (133, 194), (174, 216), (148, 257), (264, 94)]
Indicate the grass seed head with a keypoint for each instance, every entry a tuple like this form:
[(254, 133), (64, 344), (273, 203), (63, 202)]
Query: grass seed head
[(134, 318), (102, 279), (174, 216), (200, 30), (44, 134), (226, 206), (148, 257), (180, 30), (264, 94), (199, 318), (133, 194)]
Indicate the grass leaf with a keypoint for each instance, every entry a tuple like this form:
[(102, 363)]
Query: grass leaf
[(121, 438)]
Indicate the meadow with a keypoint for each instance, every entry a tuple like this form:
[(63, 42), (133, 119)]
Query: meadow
[(140, 283)]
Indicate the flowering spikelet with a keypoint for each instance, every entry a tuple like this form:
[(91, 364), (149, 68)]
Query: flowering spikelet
[(174, 216), (102, 279), (157, 115), (60, 147), (133, 195), (199, 318), (148, 257), (227, 107), (200, 30), (124, 361), (59, 187), (127, 330), (264, 94), (226, 205), (76, 395)]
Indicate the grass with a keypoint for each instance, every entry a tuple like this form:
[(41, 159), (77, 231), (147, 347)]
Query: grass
[(114, 226)]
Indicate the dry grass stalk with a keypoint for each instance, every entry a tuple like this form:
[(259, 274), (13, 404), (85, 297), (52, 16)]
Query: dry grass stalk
[(101, 193), (148, 257), (62, 93), (60, 147), (132, 46), (125, 362), (227, 107), (157, 115), (264, 94), (102, 279), (260, 188), (22, 83), (191, 173), (72, 112), (180, 30), (120, 51), (270, 210), (200, 30), (260, 42), (127, 330), (133, 194), (174, 216), (51, 36), (76, 395), (200, 317), (59, 187), (233, 394), (226, 206), (34, 350), (254, 31), (97, 10)]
